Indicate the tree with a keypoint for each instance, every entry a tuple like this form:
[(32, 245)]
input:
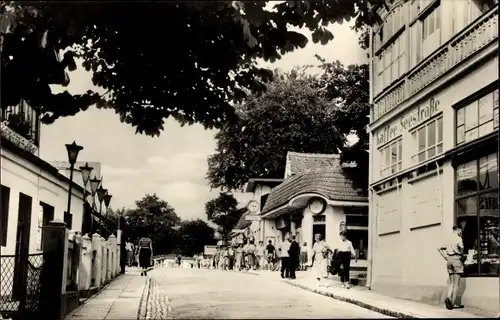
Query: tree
[(350, 88), (194, 235), (223, 212), (299, 112), (191, 60), (156, 219)]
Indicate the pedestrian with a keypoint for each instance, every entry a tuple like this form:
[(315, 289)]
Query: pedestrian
[(320, 259), (225, 258), (345, 254), (130, 253), (271, 255), (231, 257), (293, 252), (285, 258), (238, 256), (260, 253), (179, 261), (145, 250), (250, 253), (303, 256), (453, 253)]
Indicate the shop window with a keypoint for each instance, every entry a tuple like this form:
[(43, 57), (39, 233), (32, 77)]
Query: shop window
[(5, 215), (391, 156), (477, 118), (477, 214), (428, 140)]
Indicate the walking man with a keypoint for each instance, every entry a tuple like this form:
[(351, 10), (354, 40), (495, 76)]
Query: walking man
[(271, 255), (453, 254), (130, 253), (285, 258), (294, 252)]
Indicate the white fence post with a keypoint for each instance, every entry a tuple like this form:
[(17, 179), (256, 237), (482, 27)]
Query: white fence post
[(97, 252)]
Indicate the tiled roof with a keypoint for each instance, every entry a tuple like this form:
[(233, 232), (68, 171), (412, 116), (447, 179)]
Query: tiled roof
[(243, 223), (300, 163), (314, 173)]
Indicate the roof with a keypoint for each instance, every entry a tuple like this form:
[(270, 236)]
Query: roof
[(299, 163), (314, 173), (243, 222), (253, 182)]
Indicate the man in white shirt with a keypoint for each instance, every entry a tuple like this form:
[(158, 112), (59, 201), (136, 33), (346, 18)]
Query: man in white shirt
[(130, 253), (453, 253), (285, 258)]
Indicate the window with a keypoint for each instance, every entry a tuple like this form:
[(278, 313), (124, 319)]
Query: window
[(477, 214), (46, 215), (5, 215), (391, 157), (68, 219), (391, 64), (477, 118), (431, 30), (428, 140)]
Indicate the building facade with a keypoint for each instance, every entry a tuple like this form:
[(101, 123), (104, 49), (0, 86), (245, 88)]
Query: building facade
[(33, 191), (433, 147), (317, 197)]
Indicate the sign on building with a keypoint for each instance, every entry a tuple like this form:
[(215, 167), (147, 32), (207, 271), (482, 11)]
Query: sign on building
[(210, 250)]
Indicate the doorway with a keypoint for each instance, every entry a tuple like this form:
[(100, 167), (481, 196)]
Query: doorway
[(321, 229), (22, 245)]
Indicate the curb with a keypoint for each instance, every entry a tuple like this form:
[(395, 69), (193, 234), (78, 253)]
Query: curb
[(72, 312), (143, 303), (384, 311)]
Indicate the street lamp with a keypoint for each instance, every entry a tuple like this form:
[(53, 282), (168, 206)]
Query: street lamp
[(94, 184), (86, 170), (107, 199), (101, 192), (73, 150)]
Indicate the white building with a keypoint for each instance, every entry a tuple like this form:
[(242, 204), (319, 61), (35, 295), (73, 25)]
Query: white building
[(33, 191), (317, 196), (433, 147)]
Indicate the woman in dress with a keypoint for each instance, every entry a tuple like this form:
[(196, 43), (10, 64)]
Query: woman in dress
[(238, 257), (145, 247), (320, 259)]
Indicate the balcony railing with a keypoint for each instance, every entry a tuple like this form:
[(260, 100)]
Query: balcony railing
[(471, 39), (22, 119)]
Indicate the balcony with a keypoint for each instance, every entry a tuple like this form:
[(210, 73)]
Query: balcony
[(472, 39), (21, 125)]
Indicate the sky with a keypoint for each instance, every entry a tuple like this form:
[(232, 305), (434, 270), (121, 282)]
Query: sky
[(173, 165)]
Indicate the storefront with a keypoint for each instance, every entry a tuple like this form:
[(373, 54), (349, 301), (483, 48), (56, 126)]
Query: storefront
[(435, 165), (318, 199)]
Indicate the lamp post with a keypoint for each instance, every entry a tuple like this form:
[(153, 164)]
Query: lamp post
[(101, 192), (86, 170), (73, 150), (94, 184), (107, 199)]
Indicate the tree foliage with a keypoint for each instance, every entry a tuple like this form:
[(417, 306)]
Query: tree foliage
[(223, 212), (154, 218), (299, 112), (191, 60), (194, 235)]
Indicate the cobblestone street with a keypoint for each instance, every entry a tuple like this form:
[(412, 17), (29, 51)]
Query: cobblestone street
[(208, 294)]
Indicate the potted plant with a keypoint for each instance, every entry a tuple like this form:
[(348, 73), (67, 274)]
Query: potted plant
[(18, 123)]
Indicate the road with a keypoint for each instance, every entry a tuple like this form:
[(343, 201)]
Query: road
[(209, 294)]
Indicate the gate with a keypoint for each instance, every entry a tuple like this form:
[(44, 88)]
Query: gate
[(20, 286)]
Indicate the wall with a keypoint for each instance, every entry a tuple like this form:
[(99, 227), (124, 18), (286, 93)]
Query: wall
[(22, 176), (410, 224)]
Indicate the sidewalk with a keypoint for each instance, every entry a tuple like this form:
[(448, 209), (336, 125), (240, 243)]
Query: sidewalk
[(121, 299), (374, 301)]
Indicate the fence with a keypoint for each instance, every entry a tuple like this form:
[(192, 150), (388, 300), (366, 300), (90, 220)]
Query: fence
[(49, 285), (20, 285)]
